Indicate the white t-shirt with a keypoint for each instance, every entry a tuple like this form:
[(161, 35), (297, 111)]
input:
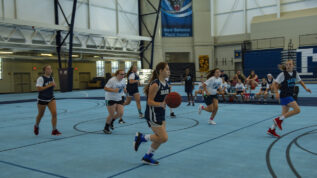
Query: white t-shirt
[(239, 87), (132, 76), (115, 83), (213, 84), (280, 78), (40, 81)]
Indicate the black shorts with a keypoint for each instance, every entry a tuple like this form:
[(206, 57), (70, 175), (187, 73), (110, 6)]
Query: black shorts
[(263, 89), (44, 102), (209, 99), (239, 92), (133, 91), (154, 116), (112, 102), (189, 89)]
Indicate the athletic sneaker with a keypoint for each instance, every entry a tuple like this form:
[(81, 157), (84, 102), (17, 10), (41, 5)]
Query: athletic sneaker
[(278, 122), (188, 104), (111, 124), (56, 132), (121, 121), (173, 115), (138, 139), (36, 130), (193, 104), (212, 122), (141, 116), (273, 133), (106, 131), (147, 159), (200, 107)]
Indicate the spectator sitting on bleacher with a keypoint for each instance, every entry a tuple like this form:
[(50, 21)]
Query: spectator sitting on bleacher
[(240, 90), (240, 76), (234, 81), (270, 81), (224, 90), (264, 89), (252, 80)]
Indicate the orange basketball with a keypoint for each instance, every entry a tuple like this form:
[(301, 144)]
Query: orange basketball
[(173, 100)]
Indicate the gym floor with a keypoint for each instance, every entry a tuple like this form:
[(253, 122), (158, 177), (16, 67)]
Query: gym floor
[(237, 146)]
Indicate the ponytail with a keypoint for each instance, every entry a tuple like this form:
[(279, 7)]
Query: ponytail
[(155, 75)]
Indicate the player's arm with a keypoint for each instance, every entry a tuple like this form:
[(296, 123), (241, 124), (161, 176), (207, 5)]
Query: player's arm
[(304, 86)]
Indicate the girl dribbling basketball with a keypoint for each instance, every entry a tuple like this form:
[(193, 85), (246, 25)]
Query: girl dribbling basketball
[(155, 91)]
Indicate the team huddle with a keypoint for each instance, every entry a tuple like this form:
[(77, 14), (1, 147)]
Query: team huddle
[(156, 91)]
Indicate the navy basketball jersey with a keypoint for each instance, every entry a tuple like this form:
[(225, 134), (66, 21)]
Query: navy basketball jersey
[(133, 86), (154, 113), (46, 95), (288, 85)]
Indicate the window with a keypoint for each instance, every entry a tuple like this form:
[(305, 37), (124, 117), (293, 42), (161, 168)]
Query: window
[(127, 66), (139, 65), (114, 66), (0, 68), (100, 66)]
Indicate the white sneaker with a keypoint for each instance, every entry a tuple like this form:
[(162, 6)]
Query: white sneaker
[(212, 122), (200, 108)]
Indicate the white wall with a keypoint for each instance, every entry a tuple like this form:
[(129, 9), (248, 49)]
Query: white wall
[(90, 14), (228, 15)]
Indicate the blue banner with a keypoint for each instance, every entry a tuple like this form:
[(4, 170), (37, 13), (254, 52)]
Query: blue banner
[(176, 18)]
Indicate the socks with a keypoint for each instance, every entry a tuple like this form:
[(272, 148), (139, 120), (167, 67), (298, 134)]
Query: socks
[(273, 127), (211, 118), (282, 118), (147, 137), (140, 112), (36, 125), (151, 150), (107, 126)]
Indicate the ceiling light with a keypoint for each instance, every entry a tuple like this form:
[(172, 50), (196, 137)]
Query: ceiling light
[(6, 52), (46, 54)]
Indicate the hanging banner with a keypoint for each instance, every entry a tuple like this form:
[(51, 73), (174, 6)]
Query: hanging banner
[(176, 18), (203, 63)]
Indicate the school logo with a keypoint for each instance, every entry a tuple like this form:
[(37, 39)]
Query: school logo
[(307, 62), (177, 4)]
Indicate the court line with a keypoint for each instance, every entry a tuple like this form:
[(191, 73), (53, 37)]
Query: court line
[(304, 149), (31, 169), (193, 146), (288, 157), (268, 151)]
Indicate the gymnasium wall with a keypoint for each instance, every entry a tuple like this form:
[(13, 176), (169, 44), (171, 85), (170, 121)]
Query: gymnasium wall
[(291, 25), (200, 44), (10, 67), (266, 61)]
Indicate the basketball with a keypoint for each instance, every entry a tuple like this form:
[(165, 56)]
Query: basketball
[(173, 100)]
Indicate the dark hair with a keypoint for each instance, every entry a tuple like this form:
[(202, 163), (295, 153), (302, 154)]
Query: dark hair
[(160, 66), (282, 67), (251, 74), (130, 71), (212, 72)]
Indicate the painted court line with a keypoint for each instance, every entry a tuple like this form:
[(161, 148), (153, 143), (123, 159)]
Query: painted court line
[(31, 169), (193, 146)]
